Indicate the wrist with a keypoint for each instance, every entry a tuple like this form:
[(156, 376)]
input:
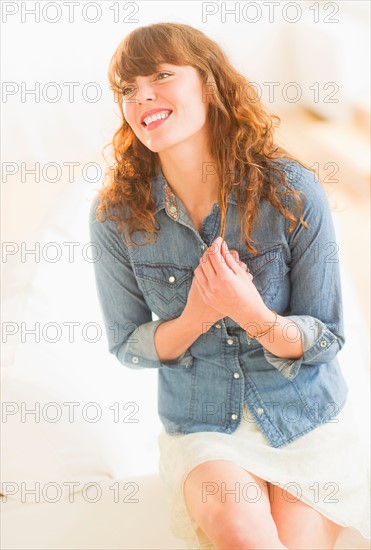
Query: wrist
[(258, 321), (190, 326), (259, 330)]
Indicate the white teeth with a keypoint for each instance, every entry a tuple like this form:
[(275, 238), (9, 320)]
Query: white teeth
[(157, 116)]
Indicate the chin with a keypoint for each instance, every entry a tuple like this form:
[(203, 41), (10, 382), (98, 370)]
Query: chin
[(159, 148)]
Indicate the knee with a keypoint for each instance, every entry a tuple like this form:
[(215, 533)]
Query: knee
[(233, 530), (230, 533)]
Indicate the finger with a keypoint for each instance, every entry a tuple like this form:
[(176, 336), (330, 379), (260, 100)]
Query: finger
[(246, 269), (234, 254), (213, 249), (236, 257), (229, 254), (206, 265), (215, 256), (229, 260)]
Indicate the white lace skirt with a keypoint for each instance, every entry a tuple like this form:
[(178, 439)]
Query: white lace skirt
[(326, 468)]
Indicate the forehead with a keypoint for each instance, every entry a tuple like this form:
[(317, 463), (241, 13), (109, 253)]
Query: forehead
[(142, 52)]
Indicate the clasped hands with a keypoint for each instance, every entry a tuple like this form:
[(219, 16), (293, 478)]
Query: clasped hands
[(225, 284)]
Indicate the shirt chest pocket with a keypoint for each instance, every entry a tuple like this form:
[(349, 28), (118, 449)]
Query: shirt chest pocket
[(164, 286), (268, 270)]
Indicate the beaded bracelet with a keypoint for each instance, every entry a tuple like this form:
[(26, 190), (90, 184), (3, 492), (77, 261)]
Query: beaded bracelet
[(258, 336)]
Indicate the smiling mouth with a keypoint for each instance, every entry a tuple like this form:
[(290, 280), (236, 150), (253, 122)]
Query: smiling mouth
[(155, 120)]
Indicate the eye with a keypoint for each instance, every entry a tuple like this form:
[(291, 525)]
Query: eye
[(162, 73), (127, 90)]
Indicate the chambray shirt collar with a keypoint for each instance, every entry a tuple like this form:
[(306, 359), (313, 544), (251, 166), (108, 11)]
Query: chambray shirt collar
[(165, 198)]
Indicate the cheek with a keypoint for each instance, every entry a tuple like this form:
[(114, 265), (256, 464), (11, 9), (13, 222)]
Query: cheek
[(129, 113), (194, 105), (196, 114)]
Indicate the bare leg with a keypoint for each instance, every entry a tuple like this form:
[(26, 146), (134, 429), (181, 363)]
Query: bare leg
[(231, 506), (300, 527)]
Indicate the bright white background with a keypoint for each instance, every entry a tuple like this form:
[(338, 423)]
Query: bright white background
[(36, 54), (74, 129)]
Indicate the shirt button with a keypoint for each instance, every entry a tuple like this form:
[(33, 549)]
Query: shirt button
[(173, 209), (230, 341), (135, 360), (236, 375), (323, 343), (259, 411), (203, 247), (234, 416), (218, 326), (171, 279)]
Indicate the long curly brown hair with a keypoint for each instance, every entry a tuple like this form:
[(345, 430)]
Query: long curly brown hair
[(241, 135)]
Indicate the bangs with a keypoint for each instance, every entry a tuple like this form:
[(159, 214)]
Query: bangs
[(144, 50)]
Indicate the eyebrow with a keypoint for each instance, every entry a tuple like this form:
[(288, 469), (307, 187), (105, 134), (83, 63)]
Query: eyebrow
[(158, 66)]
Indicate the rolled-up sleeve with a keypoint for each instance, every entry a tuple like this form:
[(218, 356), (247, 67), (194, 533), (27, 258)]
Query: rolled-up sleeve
[(315, 286), (127, 318)]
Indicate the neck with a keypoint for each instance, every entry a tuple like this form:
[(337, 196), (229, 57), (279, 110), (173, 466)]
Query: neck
[(191, 174)]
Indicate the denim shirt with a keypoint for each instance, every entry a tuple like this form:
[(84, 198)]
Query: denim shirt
[(297, 275)]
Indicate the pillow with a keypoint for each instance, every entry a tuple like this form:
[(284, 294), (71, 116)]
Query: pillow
[(97, 418), (88, 423)]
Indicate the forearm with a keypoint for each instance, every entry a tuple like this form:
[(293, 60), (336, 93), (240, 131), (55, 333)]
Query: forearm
[(172, 338), (283, 339)]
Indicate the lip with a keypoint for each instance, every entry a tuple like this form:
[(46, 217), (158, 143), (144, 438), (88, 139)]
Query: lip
[(153, 125), (153, 112)]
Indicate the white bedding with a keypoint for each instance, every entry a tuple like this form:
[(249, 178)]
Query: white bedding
[(115, 521)]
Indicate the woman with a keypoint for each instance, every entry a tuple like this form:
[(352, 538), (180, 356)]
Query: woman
[(229, 241)]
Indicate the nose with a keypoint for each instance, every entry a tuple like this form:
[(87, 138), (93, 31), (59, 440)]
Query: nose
[(144, 93)]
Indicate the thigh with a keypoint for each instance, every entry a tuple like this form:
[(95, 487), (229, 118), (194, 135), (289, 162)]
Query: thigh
[(299, 525), (222, 496)]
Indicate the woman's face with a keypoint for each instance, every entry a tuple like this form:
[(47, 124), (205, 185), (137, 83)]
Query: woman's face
[(173, 93)]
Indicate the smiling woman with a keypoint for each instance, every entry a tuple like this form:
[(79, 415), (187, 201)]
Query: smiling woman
[(177, 93), (211, 226)]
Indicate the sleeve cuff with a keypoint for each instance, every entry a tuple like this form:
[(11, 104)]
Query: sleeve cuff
[(140, 350), (317, 341)]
